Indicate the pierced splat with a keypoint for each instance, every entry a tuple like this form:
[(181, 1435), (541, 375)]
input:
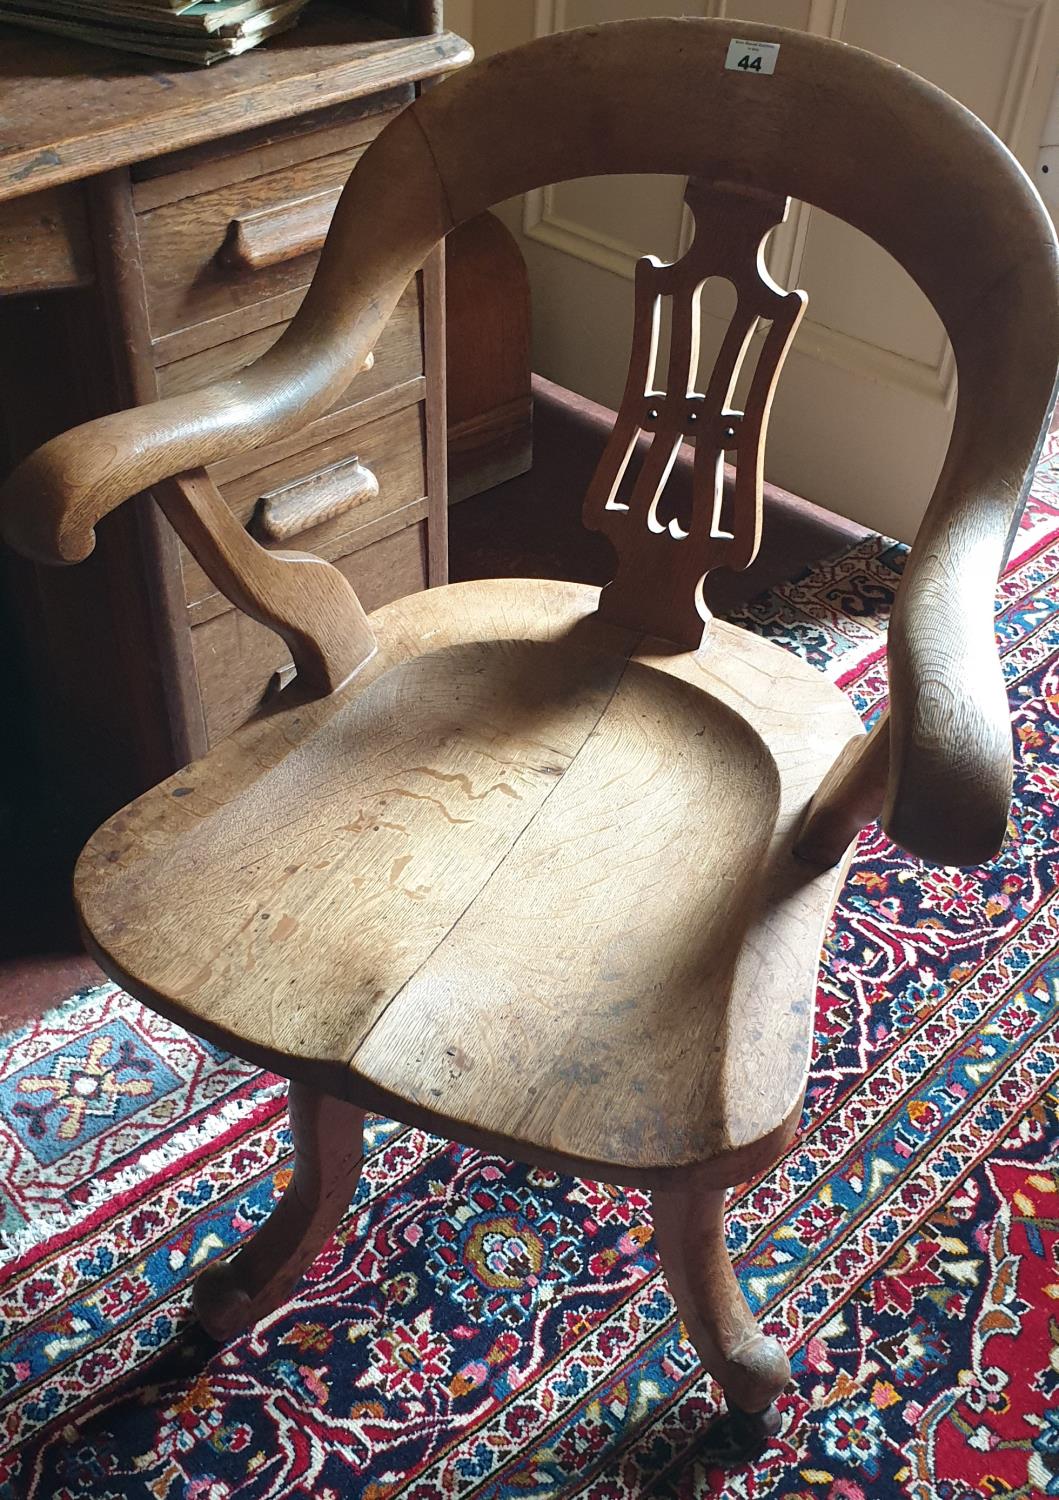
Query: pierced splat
[(662, 561)]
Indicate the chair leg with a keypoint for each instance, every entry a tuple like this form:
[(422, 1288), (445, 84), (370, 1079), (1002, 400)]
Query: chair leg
[(848, 799), (328, 1155), (751, 1368)]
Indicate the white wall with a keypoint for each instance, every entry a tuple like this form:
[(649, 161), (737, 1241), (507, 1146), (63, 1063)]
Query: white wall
[(459, 17)]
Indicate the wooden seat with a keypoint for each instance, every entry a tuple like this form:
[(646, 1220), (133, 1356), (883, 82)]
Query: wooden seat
[(543, 868), (506, 882)]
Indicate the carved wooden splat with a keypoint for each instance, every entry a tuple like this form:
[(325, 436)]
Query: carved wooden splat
[(662, 561)]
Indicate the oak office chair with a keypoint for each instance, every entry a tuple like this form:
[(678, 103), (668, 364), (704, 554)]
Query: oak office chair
[(535, 867)]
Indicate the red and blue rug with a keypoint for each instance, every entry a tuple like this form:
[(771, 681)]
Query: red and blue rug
[(483, 1329)]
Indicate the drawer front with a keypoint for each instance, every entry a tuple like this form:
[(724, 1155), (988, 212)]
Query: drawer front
[(217, 253), (390, 450), (237, 660), (397, 357)]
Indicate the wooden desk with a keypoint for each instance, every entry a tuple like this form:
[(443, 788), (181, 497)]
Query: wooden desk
[(158, 229)]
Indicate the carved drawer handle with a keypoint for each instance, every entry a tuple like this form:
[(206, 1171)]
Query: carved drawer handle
[(274, 235), (319, 497)]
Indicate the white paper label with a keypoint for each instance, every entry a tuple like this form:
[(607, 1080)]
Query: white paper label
[(752, 57)]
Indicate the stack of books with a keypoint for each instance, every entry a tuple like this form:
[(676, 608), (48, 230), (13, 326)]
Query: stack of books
[(195, 31)]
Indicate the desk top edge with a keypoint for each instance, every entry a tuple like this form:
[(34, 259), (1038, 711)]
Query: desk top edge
[(310, 68)]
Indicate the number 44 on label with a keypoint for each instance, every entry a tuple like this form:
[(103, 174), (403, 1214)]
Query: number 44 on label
[(752, 57)]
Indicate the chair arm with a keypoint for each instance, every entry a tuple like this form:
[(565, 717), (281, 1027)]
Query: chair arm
[(948, 792), (379, 237), (937, 768), (50, 505), (949, 786)]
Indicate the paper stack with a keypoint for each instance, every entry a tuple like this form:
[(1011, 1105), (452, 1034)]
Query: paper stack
[(195, 31)]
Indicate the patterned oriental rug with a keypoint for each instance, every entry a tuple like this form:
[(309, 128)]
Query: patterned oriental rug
[(483, 1329)]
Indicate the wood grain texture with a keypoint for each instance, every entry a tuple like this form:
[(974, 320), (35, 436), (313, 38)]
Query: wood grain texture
[(220, 347), (533, 528), (83, 109), (848, 799), (486, 875), (333, 549), (837, 127), (288, 386), (906, 164), (166, 642), (259, 151), (274, 235), (663, 558), (507, 863), (314, 499), (209, 254)]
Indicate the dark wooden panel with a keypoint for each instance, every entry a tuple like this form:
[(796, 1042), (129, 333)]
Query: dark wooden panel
[(264, 148), (44, 242), (487, 310)]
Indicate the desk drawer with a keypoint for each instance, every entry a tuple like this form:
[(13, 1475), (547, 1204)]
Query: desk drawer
[(209, 255), (397, 357), (364, 481)]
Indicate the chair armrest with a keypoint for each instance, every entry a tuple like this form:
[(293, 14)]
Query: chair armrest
[(379, 237), (50, 505), (937, 769), (948, 792)]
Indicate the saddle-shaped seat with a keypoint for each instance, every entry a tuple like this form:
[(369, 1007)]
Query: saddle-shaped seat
[(529, 874)]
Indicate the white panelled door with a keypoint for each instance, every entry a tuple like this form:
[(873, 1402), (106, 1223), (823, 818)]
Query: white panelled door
[(865, 404)]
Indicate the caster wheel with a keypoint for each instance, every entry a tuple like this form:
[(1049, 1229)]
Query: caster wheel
[(754, 1429), (738, 1437), (222, 1306)]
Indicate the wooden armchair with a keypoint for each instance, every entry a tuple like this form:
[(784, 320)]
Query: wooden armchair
[(539, 868)]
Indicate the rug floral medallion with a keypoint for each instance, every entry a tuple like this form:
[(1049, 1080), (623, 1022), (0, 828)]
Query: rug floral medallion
[(483, 1329)]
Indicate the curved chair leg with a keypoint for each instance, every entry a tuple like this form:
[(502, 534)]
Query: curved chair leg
[(848, 799), (328, 1155), (751, 1368)]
